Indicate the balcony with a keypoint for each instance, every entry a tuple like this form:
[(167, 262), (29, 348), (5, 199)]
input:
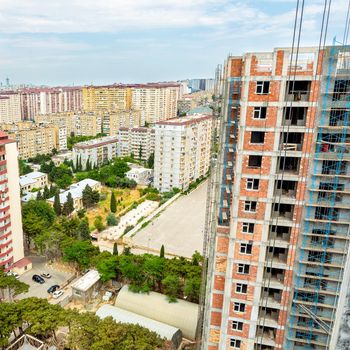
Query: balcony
[(266, 336), (292, 141), (286, 189), (268, 317), (288, 165), (298, 91), (275, 277), (283, 212), (294, 116), (276, 257)]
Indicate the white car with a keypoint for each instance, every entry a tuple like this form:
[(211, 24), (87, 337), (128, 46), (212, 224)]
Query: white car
[(14, 274), (57, 294)]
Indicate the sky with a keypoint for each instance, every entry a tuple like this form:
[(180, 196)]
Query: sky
[(78, 42)]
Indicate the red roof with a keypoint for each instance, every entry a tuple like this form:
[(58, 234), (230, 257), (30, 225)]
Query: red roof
[(21, 263)]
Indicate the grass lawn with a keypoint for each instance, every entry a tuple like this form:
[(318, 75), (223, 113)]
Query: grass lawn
[(126, 196)]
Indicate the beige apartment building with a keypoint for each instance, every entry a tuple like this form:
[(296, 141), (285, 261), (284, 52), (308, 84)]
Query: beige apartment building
[(138, 142), (112, 121), (156, 101), (10, 108), (182, 151), (33, 180), (11, 234), (33, 139)]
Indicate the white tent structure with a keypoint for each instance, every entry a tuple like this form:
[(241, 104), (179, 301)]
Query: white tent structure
[(182, 314), (170, 333)]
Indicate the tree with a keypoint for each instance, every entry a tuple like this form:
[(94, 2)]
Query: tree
[(88, 166), (161, 254), (57, 204), (171, 285), (47, 193), (150, 161), (10, 286), (90, 197), (83, 231), (107, 266), (98, 223), (39, 196), (113, 203), (140, 151), (81, 253), (192, 289), (112, 220), (10, 320), (68, 206), (24, 168), (115, 248)]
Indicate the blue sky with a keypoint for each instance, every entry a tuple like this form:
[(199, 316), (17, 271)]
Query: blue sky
[(59, 42)]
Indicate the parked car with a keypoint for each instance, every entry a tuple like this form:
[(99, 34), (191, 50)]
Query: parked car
[(45, 275), (38, 279), (14, 274), (57, 294), (53, 288)]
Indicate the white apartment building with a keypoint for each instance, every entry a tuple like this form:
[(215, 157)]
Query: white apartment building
[(182, 151), (138, 142), (141, 175), (33, 180), (10, 108), (97, 151), (11, 234)]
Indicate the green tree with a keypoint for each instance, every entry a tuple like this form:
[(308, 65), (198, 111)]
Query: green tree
[(192, 289), (98, 223), (24, 168), (162, 252), (113, 204), (107, 266), (10, 286), (115, 248), (140, 151), (171, 285), (46, 193), (112, 220), (39, 196), (10, 320), (88, 166), (57, 204), (68, 206), (90, 197), (81, 253), (83, 231), (150, 161)]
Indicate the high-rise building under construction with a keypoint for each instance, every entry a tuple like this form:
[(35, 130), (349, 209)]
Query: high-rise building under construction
[(278, 266)]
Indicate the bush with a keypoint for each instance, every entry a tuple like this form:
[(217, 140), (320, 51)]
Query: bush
[(153, 196), (128, 229), (112, 220), (98, 223)]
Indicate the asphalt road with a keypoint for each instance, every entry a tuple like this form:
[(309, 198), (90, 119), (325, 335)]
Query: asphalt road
[(37, 289), (180, 227)]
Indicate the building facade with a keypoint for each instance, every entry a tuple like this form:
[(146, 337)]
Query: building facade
[(33, 139), (156, 101), (95, 152), (33, 180), (138, 142), (182, 151), (280, 242), (114, 120), (11, 234), (10, 108)]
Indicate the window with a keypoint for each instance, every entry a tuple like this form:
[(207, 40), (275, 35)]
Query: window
[(245, 248), (237, 326), (241, 288), (255, 161), (257, 137), (243, 269), (250, 206), (248, 227), (239, 307), (235, 343), (259, 112), (262, 87), (252, 184)]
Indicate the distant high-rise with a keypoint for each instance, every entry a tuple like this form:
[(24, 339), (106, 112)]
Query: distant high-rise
[(279, 267)]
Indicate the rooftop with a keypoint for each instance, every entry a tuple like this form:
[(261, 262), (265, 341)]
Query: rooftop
[(96, 142), (137, 170), (87, 281), (30, 178), (76, 190), (186, 120), (201, 110)]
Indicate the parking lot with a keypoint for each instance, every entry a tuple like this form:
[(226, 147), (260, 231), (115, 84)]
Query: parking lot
[(37, 289)]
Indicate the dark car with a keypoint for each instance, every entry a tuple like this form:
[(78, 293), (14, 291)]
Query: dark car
[(38, 279), (53, 288)]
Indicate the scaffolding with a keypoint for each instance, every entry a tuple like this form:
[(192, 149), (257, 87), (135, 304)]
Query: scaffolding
[(324, 245)]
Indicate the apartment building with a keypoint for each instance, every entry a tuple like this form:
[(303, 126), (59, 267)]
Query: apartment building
[(33, 139), (182, 151), (95, 152), (138, 142), (44, 100), (11, 234), (10, 108), (278, 265), (112, 121), (156, 101)]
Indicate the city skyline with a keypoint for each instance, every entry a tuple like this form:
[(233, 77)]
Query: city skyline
[(109, 42)]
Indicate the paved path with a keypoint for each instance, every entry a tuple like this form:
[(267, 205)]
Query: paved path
[(180, 227)]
